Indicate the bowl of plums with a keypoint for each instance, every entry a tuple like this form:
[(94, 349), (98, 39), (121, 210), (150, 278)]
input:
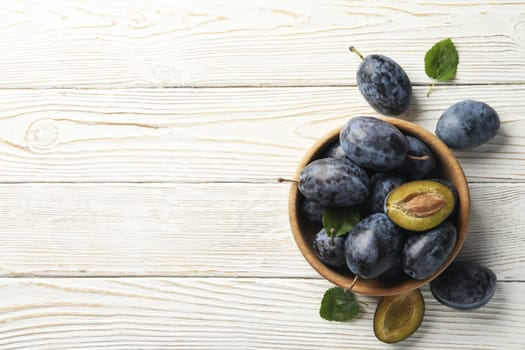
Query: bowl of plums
[(382, 199), (380, 206)]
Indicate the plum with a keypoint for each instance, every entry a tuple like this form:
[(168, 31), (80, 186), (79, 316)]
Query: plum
[(330, 251), (419, 205), (426, 252), (334, 183), (397, 317), (464, 286), (467, 124), (312, 210), (373, 246), (383, 84), (420, 162), (373, 143)]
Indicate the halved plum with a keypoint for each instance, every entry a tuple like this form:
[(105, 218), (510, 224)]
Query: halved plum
[(419, 205), (397, 317), (464, 286)]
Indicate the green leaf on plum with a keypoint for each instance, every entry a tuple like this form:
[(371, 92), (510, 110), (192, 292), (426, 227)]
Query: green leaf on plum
[(338, 221)]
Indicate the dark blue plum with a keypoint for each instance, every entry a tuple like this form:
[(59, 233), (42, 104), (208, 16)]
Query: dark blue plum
[(464, 286), (334, 183), (373, 143), (312, 211), (467, 124), (373, 246), (380, 186), (331, 252), (384, 85), (425, 253), (418, 169)]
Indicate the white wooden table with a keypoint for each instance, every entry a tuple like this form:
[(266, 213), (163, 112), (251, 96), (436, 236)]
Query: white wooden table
[(141, 140)]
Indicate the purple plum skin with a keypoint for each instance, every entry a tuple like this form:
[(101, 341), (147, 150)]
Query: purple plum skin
[(373, 246), (425, 253), (380, 186), (416, 169), (467, 124), (334, 183), (373, 143), (384, 85), (464, 286), (330, 254)]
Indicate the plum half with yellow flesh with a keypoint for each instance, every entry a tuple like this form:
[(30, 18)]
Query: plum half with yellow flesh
[(397, 317), (419, 205)]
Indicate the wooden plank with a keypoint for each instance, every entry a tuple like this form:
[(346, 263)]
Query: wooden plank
[(162, 43), (193, 135), (155, 313), (204, 230)]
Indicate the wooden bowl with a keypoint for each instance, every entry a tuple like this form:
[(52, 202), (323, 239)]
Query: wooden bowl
[(304, 231)]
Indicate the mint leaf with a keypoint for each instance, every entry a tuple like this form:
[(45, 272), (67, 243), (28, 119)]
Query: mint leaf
[(441, 61), (338, 305), (339, 221)]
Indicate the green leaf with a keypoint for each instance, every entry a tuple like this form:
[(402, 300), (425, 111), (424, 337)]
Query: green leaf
[(338, 305), (339, 221), (441, 61)]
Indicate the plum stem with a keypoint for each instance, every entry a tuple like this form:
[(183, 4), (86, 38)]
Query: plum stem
[(332, 236), (354, 50), (280, 179), (349, 289), (431, 88), (410, 156)]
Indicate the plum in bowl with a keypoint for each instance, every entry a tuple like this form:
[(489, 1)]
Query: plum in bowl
[(304, 231)]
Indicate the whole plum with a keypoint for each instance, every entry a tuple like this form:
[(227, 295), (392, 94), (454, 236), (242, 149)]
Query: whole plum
[(425, 253), (384, 84), (467, 124), (330, 251), (373, 246), (373, 143), (334, 183)]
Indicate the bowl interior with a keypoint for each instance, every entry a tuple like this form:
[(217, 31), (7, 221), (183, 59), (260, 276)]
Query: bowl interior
[(304, 231)]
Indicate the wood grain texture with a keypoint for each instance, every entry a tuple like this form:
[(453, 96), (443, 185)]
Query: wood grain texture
[(206, 230), (189, 313), (162, 43), (198, 135)]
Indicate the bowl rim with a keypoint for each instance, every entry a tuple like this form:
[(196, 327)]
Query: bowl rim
[(372, 287)]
